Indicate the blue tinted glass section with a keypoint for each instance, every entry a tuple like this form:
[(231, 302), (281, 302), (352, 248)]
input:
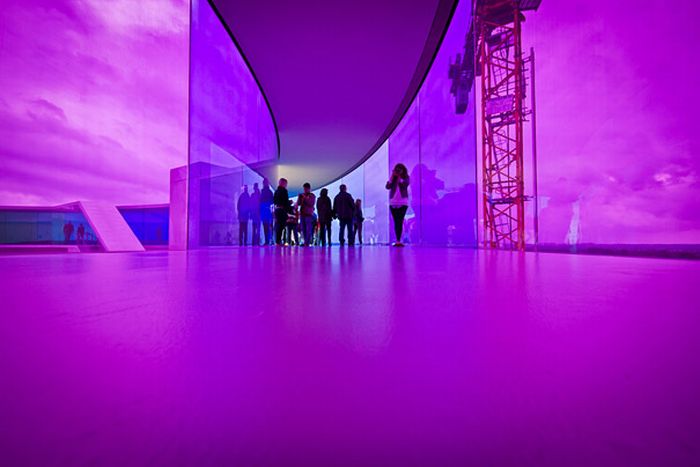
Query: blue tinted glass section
[(149, 224)]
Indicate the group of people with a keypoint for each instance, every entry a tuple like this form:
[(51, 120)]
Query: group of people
[(313, 216), (255, 207), (68, 229)]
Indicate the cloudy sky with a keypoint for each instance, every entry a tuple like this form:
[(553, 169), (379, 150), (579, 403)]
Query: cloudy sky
[(93, 105), (93, 99), (618, 132)]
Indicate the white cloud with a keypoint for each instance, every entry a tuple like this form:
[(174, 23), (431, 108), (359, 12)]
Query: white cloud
[(154, 15)]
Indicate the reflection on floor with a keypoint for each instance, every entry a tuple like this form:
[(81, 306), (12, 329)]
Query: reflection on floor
[(370, 356)]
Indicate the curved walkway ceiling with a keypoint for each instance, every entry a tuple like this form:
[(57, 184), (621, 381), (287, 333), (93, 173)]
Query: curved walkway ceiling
[(338, 76)]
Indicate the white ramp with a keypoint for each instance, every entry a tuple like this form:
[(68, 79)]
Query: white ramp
[(110, 227)]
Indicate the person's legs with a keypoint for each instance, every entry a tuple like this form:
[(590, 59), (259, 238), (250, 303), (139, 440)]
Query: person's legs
[(326, 233), (394, 216), (402, 216), (341, 234), (351, 233), (266, 231), (307, 229), (398, 214), (322, 233), (358, 232), (280, 223), (310, 228), (255, 228)]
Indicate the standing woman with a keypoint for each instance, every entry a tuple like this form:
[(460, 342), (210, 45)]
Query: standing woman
[(324, 209), (358, 219), (398, 198)]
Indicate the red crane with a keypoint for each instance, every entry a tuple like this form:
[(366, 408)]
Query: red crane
[(495, 43)]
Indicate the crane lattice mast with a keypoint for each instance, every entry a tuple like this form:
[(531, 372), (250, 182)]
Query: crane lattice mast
[(495, 44)]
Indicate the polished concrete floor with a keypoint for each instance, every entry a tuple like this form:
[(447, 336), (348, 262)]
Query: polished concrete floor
[(364, 356)]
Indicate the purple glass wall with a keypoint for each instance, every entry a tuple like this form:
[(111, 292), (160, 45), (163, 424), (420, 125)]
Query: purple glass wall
[(93, 100), (618, 148), (231, 131), (438, 147)]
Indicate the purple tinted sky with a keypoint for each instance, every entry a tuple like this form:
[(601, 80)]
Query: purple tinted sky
[(93, 105), (93, 101), (617, 123)]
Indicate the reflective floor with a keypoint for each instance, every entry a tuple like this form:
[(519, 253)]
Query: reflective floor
[(371, 356)]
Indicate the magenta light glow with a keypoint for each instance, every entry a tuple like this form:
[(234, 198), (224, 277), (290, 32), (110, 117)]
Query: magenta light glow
[(393, 357)]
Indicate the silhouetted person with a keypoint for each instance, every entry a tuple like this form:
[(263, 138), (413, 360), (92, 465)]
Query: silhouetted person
[(255, 214), (281, 202), (344, 207), (68, 231), (316, 230), (81, 234), (266, 197), (398, 199), (325, 216), (293, 225), (306, 202), (357, 220), (243, 207)]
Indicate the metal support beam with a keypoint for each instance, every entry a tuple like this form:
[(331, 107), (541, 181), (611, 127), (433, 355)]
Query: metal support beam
[(500, 62)]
